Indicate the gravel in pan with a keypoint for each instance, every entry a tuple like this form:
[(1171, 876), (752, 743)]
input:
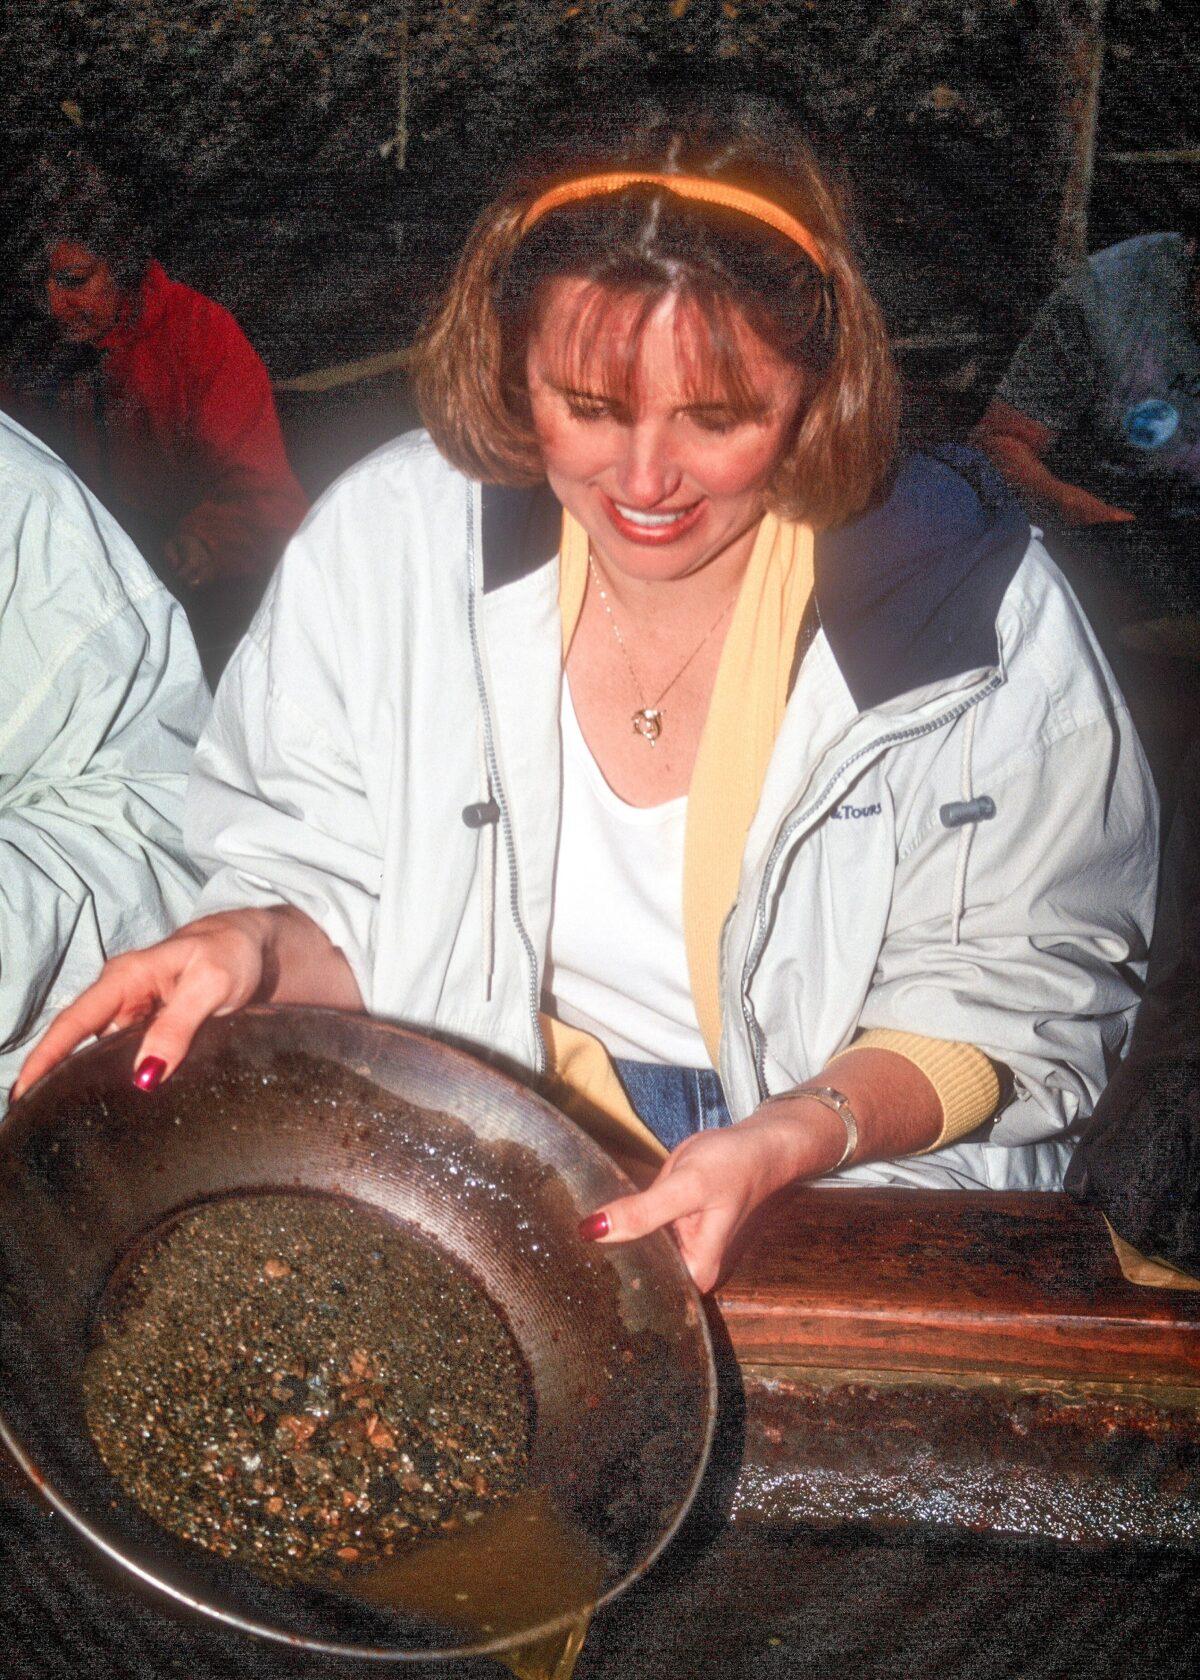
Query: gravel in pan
[(304, 1386)]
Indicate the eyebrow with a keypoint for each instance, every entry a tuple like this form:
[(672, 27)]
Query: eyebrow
[(726, 405), (712, 405)]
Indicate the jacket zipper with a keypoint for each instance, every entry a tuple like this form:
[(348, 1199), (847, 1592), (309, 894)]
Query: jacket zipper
[(756, 1037), (496, 791)]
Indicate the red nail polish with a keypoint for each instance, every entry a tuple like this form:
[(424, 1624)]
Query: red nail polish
[(594, 1226), (148, 1075)]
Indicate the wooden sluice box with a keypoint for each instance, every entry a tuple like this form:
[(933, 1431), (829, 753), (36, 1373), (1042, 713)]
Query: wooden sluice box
[(962, 1362)]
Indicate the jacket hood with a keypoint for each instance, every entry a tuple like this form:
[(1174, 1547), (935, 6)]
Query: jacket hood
[(907, 595)]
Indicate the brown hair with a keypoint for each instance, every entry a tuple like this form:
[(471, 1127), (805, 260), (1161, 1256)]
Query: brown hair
[(71, 198), (642, 243)]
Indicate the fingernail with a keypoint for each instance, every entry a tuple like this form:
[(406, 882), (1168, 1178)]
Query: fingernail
[(596, 1225), (148, 1074)]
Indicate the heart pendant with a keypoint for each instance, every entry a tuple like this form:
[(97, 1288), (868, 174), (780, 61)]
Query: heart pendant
[(648, 723)]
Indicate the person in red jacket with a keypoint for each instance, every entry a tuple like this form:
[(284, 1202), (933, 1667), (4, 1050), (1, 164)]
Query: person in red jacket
[(154, 395)]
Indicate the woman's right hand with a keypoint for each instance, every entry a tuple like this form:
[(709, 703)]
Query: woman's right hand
[(208, 967)]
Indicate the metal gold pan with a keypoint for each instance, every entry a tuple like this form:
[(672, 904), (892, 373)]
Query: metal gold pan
[(270, 1099)]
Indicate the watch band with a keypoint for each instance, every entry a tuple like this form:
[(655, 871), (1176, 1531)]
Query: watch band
[(838, 1103)]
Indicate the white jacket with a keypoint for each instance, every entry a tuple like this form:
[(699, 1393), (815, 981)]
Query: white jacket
[(101, 701), (384, 753)]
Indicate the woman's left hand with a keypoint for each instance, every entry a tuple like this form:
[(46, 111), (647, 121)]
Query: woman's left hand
[(710, 1185)]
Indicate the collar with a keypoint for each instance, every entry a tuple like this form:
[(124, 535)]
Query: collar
[(907, 594), (146, 307), (522, 529)]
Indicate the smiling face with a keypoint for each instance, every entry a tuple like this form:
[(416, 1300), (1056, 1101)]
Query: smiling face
[(664, 468), (83, 296)]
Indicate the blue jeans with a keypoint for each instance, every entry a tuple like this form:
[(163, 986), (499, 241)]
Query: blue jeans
[(673, 1101)]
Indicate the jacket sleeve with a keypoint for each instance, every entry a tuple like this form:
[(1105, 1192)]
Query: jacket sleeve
[(1041, 967), (101, 700), (251, 502), (277, 807)]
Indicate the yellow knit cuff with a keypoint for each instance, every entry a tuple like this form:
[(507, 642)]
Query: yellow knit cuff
[(966, 1082)]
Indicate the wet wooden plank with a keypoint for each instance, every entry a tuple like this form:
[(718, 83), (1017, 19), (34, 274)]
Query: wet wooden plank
[(929, 1280), (1024, 1456)]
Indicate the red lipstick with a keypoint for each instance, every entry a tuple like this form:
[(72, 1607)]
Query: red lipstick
[(653, 536)]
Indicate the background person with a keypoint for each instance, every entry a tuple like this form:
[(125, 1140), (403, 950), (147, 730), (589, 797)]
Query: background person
[(1097, 419), (561, 732), (153, 394), (1096, 424), (101, 701)]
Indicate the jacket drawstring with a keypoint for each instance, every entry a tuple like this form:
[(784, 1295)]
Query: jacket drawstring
[(489, 882), (967, 829), (489, 912)]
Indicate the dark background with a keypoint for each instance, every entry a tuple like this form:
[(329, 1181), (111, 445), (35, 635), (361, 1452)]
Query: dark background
[(314, 165)]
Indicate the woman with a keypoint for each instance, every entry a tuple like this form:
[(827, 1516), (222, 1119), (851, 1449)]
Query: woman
[(621, 777), (154, 395)]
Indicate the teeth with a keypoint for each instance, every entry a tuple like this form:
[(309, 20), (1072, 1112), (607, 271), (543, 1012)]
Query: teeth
[(650, 519)]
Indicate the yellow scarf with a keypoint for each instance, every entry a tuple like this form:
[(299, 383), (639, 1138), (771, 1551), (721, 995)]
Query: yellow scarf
[(744, 715)]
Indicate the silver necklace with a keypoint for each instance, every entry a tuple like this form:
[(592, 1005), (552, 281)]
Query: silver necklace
[(648, 719)]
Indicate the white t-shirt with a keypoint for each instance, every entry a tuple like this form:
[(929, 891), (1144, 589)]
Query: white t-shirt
[(617, 964)]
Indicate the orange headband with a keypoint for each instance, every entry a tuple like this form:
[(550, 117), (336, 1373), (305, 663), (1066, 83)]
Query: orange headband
[(698, 187)]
